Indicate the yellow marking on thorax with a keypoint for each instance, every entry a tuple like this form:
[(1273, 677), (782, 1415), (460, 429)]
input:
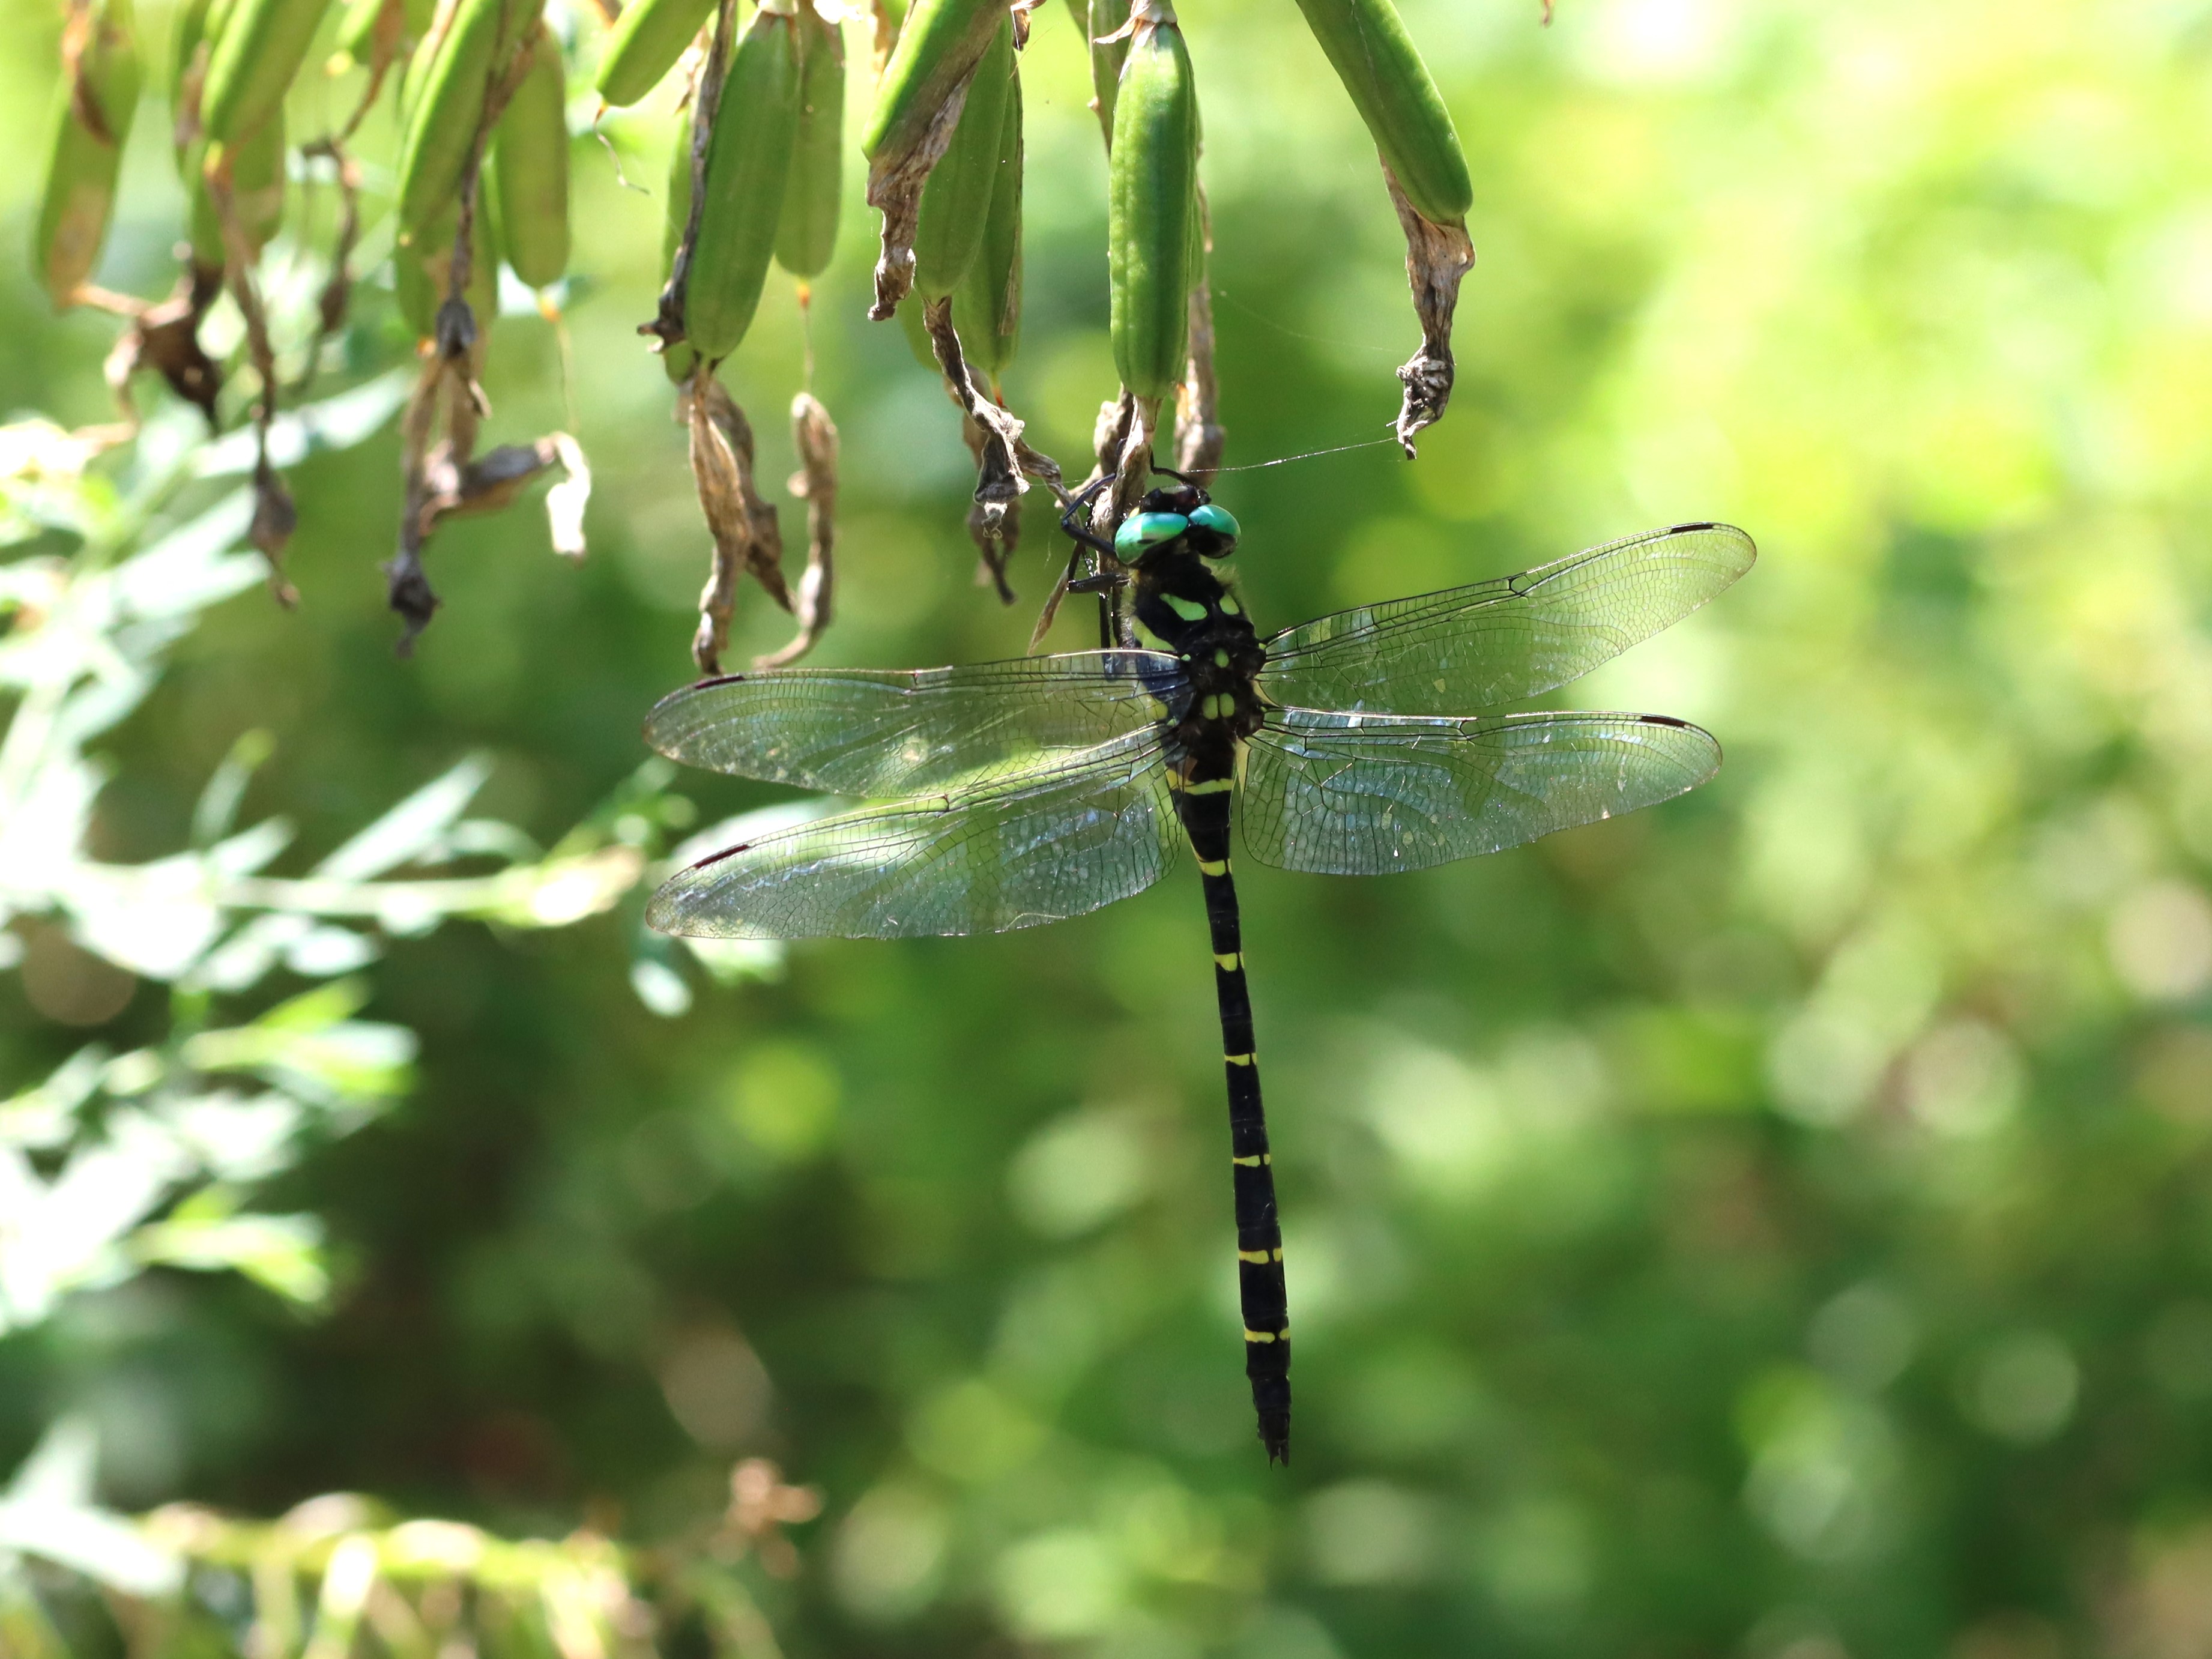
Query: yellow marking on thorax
[(1189, 610), (1212, 786), (1230, 607)]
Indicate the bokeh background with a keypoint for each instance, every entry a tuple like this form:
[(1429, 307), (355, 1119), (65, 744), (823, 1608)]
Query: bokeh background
[(1773, 1225)]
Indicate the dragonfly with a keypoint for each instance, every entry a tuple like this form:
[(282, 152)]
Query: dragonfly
[(1011, 794)]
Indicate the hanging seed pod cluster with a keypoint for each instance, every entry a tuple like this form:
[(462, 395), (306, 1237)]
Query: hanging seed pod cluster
[(759, 183), (494, 97), (1426, 174), (483, 176)]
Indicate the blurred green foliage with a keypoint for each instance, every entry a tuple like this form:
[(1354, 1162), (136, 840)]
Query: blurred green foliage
[(1775, 1223)]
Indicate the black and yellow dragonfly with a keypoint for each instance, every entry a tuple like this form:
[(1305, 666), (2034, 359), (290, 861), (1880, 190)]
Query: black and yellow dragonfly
[(1024, 791)]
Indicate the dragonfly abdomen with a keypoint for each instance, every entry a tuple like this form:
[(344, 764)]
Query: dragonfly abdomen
[(1203, 802)]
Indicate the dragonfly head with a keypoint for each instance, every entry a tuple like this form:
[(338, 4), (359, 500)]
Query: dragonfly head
[(1183, 517)]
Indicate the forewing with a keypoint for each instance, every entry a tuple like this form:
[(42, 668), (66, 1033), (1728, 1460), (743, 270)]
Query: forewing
[(864, 731), (1056, 840), (1469, 649), (1352, 795)]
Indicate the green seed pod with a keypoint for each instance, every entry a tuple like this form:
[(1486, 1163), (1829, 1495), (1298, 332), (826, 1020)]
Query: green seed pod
[(360, 24), (677, 359), (86, 152), (808, 235), (748, 167), (986, 306), (189, 29), (422, 265), (446, 108), (529, 168), (355, 41), (1391, 88), (957, 198), (678, 216), (197, 25), (1107, 17), (939, 44), (1151, 206), (644, 44), (257, 54), (257, 191)]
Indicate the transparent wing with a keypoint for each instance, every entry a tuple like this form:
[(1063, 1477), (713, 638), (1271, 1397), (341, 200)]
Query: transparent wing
[(864, 731), (1363, 795), (1474, 647), (1055, 840)]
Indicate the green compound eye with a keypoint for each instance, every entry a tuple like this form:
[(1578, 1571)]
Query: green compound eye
[(1219, 520), (1143, 530)]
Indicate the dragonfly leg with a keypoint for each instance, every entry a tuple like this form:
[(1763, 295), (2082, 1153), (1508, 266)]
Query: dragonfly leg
[(1079, 504)]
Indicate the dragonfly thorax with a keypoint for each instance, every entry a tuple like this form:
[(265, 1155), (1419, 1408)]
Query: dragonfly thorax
[(1179, 604)]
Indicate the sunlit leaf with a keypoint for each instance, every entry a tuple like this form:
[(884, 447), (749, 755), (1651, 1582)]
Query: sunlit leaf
[(252, 952), (216, 810), (193, 567), (157, 919), (106, 1548), (233, 1137), (311, 1011), (244, 853), (282, 1252), (357, 1060), (489, 838), (322, 951), (411, 827), (42, 1116), (62, 1466), (336, 422), (564, 890)]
